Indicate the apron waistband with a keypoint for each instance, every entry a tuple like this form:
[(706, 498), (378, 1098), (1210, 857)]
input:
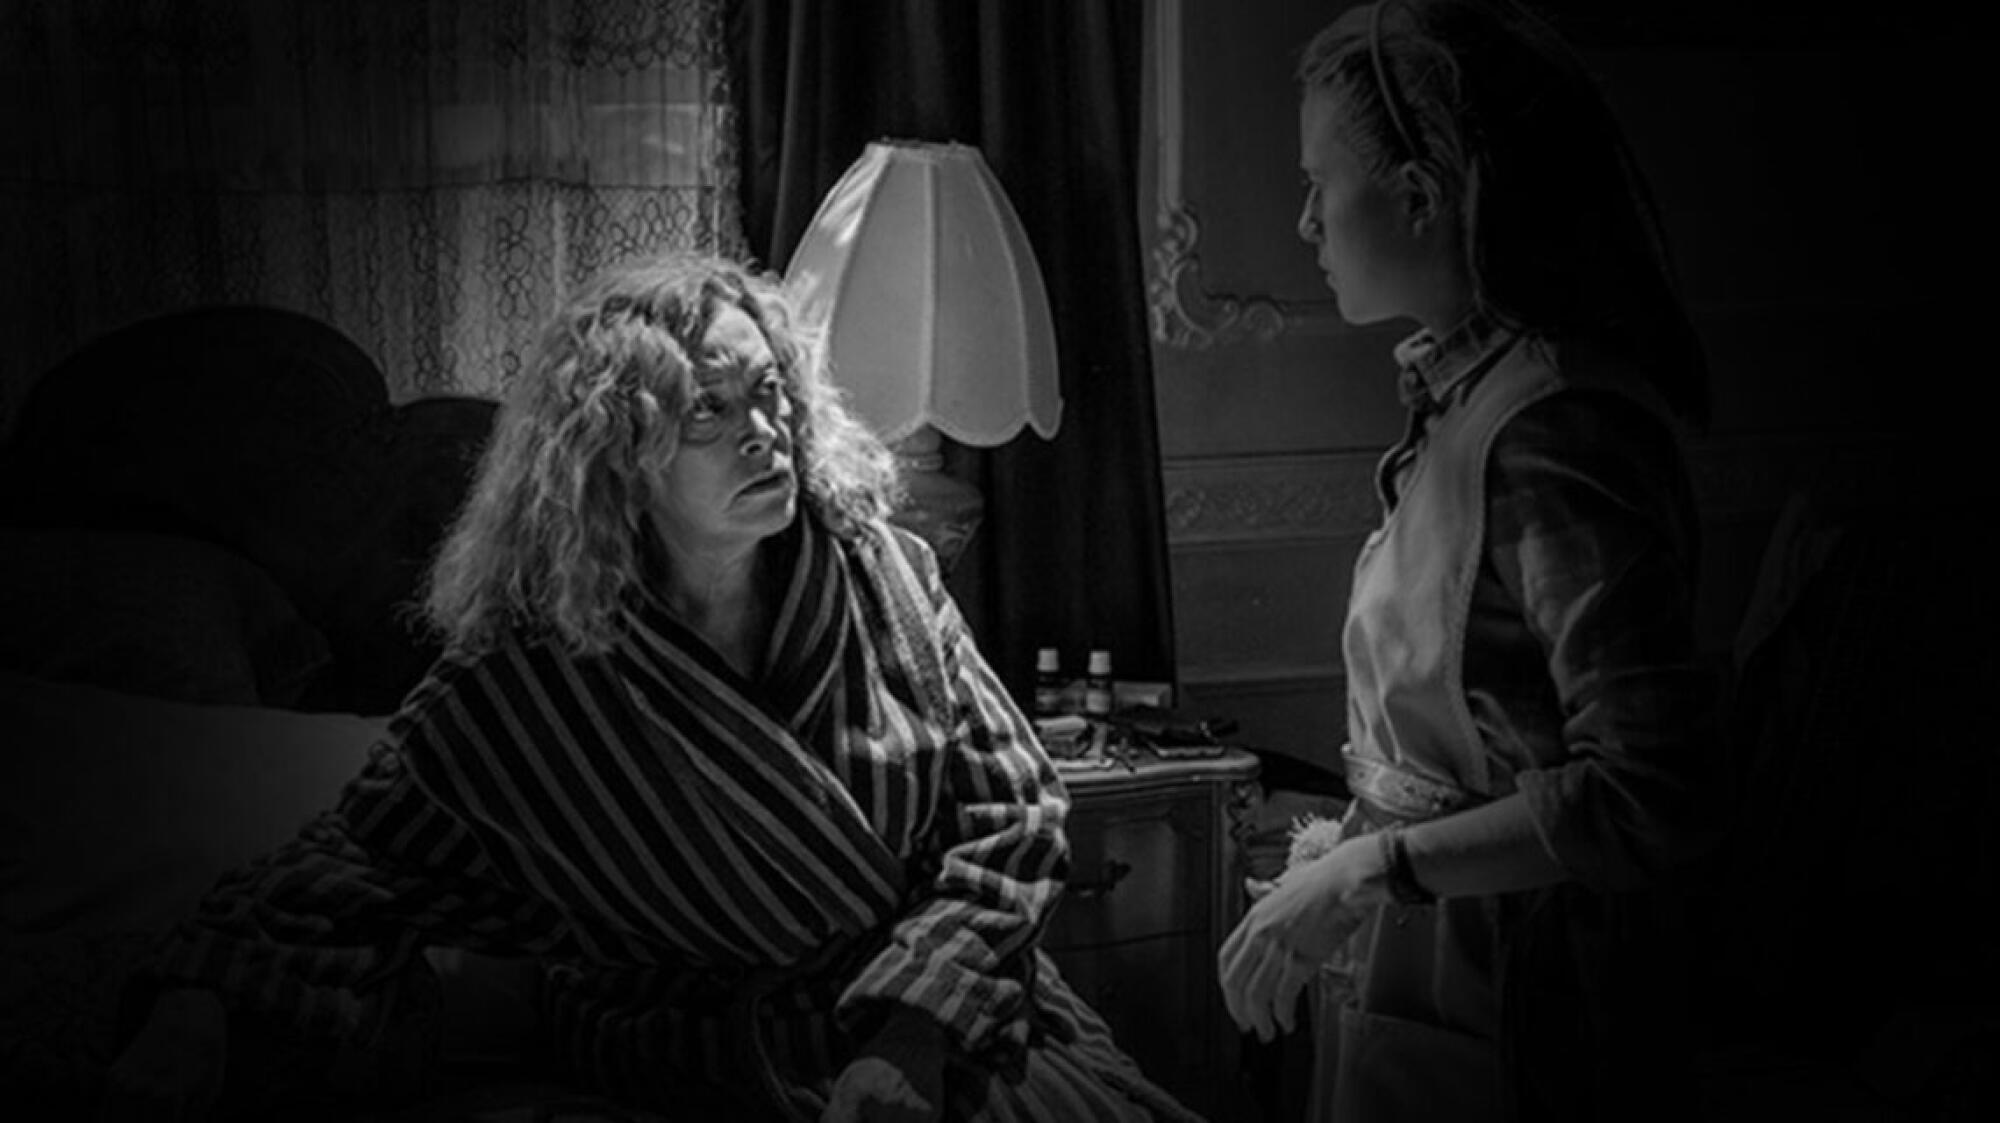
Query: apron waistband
[(1388, 791)]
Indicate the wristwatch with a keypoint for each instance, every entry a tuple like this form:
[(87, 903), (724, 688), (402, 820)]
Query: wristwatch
[(1403, 885)]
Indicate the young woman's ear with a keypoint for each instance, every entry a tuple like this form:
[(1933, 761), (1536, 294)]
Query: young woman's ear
[(1423, 196)]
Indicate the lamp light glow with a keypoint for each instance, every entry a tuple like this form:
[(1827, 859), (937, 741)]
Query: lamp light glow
[(918, 274)]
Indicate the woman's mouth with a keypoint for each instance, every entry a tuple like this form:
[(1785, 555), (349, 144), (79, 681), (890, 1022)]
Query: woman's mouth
[(774, 480)]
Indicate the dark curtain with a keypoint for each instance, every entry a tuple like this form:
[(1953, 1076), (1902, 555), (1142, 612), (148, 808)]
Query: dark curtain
[(1073, 550)]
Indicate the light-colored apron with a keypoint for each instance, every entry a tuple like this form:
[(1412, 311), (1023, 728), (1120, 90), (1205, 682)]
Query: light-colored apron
[(1420, 1037)]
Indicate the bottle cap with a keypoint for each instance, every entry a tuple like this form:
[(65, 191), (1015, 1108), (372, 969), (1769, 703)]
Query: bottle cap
[(1046, 659), (1100, 662)]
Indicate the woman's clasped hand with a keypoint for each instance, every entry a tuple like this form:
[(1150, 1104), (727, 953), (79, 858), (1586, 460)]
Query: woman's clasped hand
[(1295, 924)]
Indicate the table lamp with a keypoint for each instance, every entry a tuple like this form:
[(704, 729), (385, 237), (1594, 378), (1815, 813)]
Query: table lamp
[(934, 316)]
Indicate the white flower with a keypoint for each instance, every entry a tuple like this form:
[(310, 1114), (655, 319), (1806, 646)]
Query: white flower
[(1312, 836)]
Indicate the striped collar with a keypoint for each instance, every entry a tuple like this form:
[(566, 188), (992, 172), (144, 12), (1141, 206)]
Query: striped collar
[(810, 648), (1434, 367), (769, 745)]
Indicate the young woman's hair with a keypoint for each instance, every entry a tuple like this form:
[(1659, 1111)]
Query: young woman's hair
[(551, 537), (1560, 228)]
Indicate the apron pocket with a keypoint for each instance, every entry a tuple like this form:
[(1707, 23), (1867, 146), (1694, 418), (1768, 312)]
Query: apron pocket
[(1394, 1069)]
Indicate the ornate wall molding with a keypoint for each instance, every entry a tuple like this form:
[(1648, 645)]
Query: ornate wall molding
[(1184, 314), (1266, 500), (1240, 502)]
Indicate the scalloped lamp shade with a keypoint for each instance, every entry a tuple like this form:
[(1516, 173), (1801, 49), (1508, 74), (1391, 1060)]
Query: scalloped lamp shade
[(918, 270), (935, 319)]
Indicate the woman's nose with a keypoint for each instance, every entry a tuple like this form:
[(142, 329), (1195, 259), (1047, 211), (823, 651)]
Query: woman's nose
[(1308, 223), (760, 432)]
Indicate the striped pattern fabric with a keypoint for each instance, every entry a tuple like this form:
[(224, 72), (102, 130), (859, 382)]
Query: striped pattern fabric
[(731, 879)]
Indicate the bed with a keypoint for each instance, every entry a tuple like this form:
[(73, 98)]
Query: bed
[(213, 530)]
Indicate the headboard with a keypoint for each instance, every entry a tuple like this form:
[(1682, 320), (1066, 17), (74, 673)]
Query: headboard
[(271, 435)]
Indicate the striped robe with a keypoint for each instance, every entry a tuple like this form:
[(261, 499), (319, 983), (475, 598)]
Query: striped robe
[(731, 881)]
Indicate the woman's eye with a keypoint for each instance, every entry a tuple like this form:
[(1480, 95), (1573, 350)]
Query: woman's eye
[(770, 386), (704, 407)]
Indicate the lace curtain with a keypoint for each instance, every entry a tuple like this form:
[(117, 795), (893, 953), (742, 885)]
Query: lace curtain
[(429, 176)]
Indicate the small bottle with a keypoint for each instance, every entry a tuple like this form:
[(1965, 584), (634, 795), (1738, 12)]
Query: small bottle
[(1097, 685), (1048, 683)]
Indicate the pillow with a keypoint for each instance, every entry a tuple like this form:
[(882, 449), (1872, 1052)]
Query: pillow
[(118, 812), (151, 614)]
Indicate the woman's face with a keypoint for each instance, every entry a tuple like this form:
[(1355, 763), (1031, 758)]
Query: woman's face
[(731, 482), (1360, 228)]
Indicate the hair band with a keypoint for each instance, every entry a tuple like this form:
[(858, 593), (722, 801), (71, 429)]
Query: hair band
[(1382, 82)]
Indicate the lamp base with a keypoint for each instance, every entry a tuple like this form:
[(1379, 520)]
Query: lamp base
[(943, 510)]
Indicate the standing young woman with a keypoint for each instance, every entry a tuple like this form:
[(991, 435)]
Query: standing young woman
[(1532, 743)]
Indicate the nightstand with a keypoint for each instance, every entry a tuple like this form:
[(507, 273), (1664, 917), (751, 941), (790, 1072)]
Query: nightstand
[(1155, 886)]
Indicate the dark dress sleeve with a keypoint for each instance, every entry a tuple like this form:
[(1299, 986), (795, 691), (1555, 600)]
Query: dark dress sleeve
[(1591, 528)]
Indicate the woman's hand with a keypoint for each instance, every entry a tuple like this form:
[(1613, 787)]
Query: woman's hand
[(1294, 925), (898, 1077), (173, 1069)]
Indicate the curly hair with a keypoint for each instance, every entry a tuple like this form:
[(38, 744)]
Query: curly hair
[(1561, 231), (551, 538)]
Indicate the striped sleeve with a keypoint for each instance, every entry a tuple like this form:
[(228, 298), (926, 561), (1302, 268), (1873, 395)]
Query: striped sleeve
[(315, 935), (964, 952)]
